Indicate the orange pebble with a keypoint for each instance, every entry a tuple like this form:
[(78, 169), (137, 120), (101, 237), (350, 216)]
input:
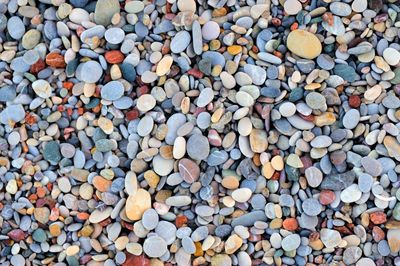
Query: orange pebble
[(114, 57), (290, 224), (199, 251), (180, 220), (41, 192), (68, 85), (82, 216), (378, 217), (55, 60), (294, 26)]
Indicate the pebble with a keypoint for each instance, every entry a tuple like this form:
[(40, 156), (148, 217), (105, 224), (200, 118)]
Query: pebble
[(112, 91), (304, 44), (180, 41), (154, 247), (198, 147), (210, 30), (291, 242), (351, 119)]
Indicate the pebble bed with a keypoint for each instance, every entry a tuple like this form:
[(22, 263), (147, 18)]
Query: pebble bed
[(199, 132)]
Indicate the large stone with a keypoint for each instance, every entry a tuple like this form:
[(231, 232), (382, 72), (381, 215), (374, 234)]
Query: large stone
[(137, 204), (338, 181), (105, 10), (304, 44)]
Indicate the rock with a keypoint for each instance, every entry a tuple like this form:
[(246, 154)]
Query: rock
[(241, 194), (346, 72), (304, 44), (188, 170), (12, 113), (180, 41), (51, 152), (112, 91), (351, 119), (154, 247), (330, 238), (391, 56), (338, 181), (210, 30), (233, 243), (198, 147), (164, 66), (291, 242), (137, 204), (351, 194), (394, 240), (105, 10)]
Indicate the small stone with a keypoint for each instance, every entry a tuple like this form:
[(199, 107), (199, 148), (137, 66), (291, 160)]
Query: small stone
[(330, 238), (292, 7), (233, 243), (51, 152), (42, 88), (351, 255), (198, 147), (189, 170), (241, 195), (316, 100), (311, 207), (351, 119), (314, 176), (154, 247), (326, 197), (41, 215), (244, 99), (393, 237), (164, 66), (146, 102), (359, 5), (150, 219), (351, 194), (112, 91), (291, 242), (180, 41), (391, 56), (205, 97), (210, 30)]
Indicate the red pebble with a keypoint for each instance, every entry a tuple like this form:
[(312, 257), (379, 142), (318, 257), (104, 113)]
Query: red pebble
[(142, 90), (378, 217), (354, 101), (132, 115), (114, 57), (378, 234), (180, 221), (38, 66), (307, 162), (326, 197), (55, 60), (16, 235), (214, 138), (132, 260), (196, 73)]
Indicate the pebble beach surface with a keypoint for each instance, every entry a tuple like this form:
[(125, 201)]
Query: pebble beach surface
[(199, 132)]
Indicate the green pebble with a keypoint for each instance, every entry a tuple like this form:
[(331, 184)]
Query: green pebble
[(51, 152), (39, 235)]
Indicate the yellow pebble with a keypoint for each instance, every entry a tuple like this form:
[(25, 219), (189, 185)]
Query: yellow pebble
[(234, 49)]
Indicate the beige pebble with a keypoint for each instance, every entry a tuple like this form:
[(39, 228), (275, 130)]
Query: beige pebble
[(146, 102)]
